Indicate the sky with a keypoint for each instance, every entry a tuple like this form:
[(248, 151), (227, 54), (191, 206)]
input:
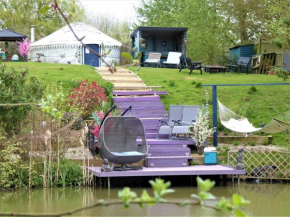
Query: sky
[(121, 9)]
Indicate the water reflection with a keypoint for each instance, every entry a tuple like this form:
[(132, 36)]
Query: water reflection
[(266, 200)]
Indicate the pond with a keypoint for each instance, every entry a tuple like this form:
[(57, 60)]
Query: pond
[(266, 200)]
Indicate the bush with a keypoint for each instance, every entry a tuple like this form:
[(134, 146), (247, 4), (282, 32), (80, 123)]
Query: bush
[(198, 85), (171, 83), (17, 87), (86, 97), (252, 89)]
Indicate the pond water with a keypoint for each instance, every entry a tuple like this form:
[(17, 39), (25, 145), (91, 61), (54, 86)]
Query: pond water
[(266, 200)]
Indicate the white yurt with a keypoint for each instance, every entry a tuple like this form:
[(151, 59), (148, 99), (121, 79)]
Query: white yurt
[(62, 47)]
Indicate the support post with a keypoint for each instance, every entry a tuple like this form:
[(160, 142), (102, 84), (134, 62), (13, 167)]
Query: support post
[(214, 115), (109, 183)]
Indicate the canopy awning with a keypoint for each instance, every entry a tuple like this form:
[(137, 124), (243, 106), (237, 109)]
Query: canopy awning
[(9, 35)]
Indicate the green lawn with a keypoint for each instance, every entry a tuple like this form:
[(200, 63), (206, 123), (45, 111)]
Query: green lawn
[(64, 74), (259, 106)]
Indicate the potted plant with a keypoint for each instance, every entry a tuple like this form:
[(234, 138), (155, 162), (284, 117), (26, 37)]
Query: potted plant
[(200, 130)]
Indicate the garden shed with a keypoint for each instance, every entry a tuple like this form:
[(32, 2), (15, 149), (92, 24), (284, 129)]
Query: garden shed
[(62, 46), (241, 51), (160, 40)]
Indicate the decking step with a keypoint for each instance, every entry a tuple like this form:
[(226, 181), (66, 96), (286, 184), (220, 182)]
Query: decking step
[(169, 151), (151, 135), (169, 142), (136, 99), (139, 93), (171, 161)]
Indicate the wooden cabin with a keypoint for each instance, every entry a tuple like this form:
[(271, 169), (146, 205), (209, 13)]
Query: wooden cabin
[(160, 40)]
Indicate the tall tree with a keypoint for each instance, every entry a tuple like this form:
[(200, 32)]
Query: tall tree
[(19, 15), (207, 32), (279, 25), (246, 19), (110, 25)]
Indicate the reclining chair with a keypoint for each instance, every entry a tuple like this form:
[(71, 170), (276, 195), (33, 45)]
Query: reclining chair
[(122, 141), (189, 116), (175, 115)]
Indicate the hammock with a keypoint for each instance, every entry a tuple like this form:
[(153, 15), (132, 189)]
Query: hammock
[(241, 124)]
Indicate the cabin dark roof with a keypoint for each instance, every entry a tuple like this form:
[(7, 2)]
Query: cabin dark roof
[(160, 31), (9, 35), (244, 45)]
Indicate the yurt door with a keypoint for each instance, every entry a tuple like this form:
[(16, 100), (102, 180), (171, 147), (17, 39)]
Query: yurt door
[(90, 58)]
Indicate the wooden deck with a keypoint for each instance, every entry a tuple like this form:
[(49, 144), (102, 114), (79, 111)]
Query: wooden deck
[(171, 171)]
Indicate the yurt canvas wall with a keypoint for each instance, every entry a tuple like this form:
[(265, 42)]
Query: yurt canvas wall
[(62, 47)]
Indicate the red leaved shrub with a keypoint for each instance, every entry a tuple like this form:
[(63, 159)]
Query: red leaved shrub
[(87, 97)]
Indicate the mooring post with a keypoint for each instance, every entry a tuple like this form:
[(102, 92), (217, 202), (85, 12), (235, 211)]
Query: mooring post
[(238, 179), (109, 183), (214, 115)]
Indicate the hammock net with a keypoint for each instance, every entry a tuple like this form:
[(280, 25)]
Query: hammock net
[(241, 124)]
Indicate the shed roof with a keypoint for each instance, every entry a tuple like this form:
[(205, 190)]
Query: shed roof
[(161, 31), (64, 36), (244, 45), (9, 35)]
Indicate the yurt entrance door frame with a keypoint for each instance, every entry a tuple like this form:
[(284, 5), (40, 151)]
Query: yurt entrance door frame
[(90, 58)]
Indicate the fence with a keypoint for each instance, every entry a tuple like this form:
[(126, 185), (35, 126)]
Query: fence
[(264, 164)]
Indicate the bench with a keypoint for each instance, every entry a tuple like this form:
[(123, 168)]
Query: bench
[(240, 65)]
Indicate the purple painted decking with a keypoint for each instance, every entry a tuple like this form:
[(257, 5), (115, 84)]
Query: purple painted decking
[(171, 171), (149, 108), (130, 93)]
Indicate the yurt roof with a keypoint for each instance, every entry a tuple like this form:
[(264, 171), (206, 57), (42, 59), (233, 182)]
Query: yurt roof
[(64, 36)]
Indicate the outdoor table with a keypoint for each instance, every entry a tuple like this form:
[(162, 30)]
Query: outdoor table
[(214, 69)]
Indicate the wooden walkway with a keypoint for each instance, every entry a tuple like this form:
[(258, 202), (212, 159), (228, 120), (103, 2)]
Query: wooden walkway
[(165, 157), (171, 171)]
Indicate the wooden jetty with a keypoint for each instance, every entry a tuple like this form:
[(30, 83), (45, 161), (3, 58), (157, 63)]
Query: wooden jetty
[(166, 157)]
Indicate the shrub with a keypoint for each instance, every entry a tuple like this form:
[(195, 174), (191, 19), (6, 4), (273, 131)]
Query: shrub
[(252, 90), (198, 85), (236, 143), (171, 83), (17, 87), (281, 73), (86, 97)]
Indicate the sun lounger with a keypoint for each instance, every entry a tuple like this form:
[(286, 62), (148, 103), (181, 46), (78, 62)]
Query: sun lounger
[(153, 58), (173, 59)]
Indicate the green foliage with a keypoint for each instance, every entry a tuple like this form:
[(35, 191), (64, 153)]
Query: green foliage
[(198, 85), (17, 87), (126, 195), (252, 90), (193, 82), (127, 56), (204, 186), (50, 105), (160, 189), (281, 73), (171, 83), (11, 166), (71, 174), (19, 15), (236, 143)]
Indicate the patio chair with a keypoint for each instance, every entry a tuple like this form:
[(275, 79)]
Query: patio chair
[(175, 115), (189, 116), (173, 59), (153, 58), (240, 65), (193, 65), (182, 63), (122, 141)]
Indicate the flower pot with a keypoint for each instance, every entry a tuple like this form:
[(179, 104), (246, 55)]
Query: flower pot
[(200, 149)]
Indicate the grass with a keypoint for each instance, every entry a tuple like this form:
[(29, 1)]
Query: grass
[(64, 74), (258, 103)]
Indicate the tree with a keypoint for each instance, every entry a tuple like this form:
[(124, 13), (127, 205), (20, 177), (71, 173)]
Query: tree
[(246, 19), (279, 25), (19, 15), (24, 48), (207, 33), (115, 28)]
